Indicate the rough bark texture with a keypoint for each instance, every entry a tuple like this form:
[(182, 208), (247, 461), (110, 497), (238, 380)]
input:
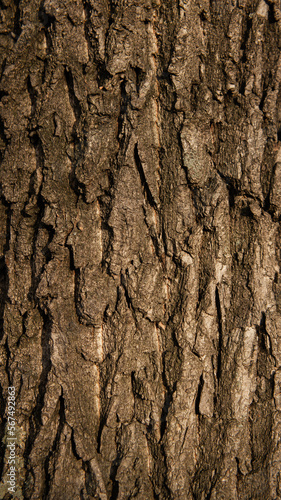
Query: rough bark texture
[(140, 248)]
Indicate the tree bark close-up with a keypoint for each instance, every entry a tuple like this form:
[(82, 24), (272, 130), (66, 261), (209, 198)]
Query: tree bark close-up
[(140, 311)]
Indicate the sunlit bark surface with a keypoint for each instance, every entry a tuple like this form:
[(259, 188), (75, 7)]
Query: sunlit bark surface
[(140, 248)]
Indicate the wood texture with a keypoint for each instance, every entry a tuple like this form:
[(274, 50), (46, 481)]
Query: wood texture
[(140, 248)]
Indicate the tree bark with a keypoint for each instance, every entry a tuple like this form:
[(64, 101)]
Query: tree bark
[(140, 248)]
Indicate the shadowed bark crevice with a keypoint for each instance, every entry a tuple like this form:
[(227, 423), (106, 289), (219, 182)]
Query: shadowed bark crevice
[(55, 447), (35, 420)]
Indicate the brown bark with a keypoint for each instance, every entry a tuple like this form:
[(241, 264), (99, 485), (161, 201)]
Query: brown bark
[(140, 248)]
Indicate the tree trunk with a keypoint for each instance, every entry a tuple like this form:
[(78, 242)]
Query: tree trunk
[(140, 249)]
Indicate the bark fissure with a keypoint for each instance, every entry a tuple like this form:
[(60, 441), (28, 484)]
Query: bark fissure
[(220, 340), (36, 418), (55, 447), (146, 189)]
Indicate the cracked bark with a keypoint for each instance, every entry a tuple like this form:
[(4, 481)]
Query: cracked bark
[(140, 306)]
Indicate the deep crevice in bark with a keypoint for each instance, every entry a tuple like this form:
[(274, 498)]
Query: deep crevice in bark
[(114, 468), (124, 126), (74, 101), (198, 397), (35, 420), (17, 20), (146, 189), (220, 339), (54, 449)]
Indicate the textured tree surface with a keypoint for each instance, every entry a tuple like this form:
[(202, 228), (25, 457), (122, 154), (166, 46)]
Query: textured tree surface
[(140, 248)]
